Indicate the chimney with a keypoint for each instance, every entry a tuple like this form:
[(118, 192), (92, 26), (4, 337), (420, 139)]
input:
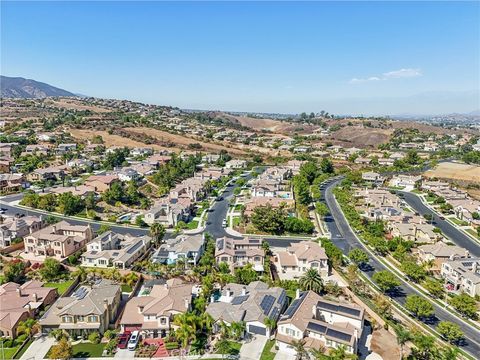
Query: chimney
[(297, 294), (105, 304), (187, 303), (54, 229), (244, 291), (19, 292), (140, 309), (212, 298), (35, 297)]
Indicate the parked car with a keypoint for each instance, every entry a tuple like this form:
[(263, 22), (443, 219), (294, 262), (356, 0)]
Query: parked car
[(133, 342), (224, 223), (123, 340)]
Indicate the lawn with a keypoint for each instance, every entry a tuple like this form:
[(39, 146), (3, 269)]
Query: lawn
[(236, 220), (126, 288), (60, 286), (192, 225), (473, 232), (267, 351), (8, 352), (85, 350), (458, 221)]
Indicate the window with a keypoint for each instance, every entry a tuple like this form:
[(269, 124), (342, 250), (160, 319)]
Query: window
[(163, 321), (93, 318), (67, 319)]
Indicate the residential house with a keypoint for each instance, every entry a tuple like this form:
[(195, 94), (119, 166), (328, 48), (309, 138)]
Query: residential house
[(419, 233), (254, 202), (439, 253), (236, 164), (320, 323), (90, 309), (152, 313), (50, 173), (115, 250), (64, 148), (12, 228), (59, 240), (12, 182), (251, 304), (169, 211), (101, 183), (373, 177), (128, 174), (188, 248), (405, 181), (240, 252), (295, 260), (462, 275), (21, 302)]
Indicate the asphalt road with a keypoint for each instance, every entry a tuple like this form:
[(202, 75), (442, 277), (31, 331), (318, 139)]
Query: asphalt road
[(345, 239), (219, 210), (450, 231)]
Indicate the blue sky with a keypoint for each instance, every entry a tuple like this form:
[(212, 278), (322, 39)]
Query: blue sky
[(343, 57)]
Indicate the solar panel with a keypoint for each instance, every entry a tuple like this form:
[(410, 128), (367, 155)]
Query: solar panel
[(282, 297), (338, 308), (339, 335), (135, 247), (237, 300), (294, 306), (316, 327), (275, 313), (347, 310), (267, 303)]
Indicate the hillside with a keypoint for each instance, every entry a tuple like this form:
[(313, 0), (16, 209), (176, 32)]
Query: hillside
[(17, 87)]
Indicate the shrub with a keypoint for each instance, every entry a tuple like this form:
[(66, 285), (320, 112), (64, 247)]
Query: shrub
[(94, 338)]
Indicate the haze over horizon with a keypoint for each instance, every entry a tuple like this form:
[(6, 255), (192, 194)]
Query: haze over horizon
[(253, 57)]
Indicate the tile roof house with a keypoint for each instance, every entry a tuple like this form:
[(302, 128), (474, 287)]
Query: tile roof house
[(115, 250), (20, 302), (91, 308), (251, 304), (186, 247), (101, 183), (12, 182), (439, 253), (59, 240), (320, 323), (462, 275), (153, 314), (295, 260), (15, 227), (169, 211), (240, 252)]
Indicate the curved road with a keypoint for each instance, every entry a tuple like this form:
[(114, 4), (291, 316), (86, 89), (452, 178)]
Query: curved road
[(345, 239), (450, 231)]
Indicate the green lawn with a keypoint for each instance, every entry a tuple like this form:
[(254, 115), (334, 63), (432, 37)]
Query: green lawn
[(126, 288), (236, 220), (267, 351), (473, 232), (60, 286), (458, 221), (192, 225), (8, 352), (86, 350), (20, 353), (416, 191)]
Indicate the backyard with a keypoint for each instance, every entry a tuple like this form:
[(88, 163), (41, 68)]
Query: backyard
[(60, 286)]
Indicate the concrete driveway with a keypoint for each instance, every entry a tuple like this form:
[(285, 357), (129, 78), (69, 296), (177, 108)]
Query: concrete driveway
[(38, 349), (124, 354), (252, 350)]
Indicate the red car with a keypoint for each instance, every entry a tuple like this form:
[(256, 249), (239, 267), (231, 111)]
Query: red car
[(123, 340)]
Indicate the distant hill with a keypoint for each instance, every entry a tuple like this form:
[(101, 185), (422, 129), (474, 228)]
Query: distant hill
[(17, 87)]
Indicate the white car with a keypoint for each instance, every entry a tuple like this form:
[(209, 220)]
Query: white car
[(224, 223), (133, 342)]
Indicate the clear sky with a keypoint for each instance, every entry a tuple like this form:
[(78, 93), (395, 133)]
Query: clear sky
[(342, 57)]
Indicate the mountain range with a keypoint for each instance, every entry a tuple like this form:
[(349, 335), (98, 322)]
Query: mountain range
[(18, 87)]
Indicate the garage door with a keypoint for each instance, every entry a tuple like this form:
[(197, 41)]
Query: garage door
[(257, 330)]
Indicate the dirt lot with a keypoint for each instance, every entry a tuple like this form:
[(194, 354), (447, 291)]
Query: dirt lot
[(456, 171), (362, 137), (183, 141), (114, 140), (385, 345)]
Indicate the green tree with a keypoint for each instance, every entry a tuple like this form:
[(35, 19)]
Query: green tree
[(311, 280), (63, 350), (268, 219), (326, 166), (51, 269), (322, 209), (300, 352), (419, 306), (385, 280), (465, 305), (358, 256), (157, 232), (246, 275), (450, 331), (14, 270), (69, 204), (414, 271), (403, 336), (434, 287), (28, 327)]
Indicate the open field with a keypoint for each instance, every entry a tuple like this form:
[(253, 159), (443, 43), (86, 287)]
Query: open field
[(361, 137), (183, 141), (74, 104), (456, 171)]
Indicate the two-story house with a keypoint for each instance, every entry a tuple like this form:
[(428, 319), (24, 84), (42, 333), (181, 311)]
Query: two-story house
[(187, 248), (240, 252)]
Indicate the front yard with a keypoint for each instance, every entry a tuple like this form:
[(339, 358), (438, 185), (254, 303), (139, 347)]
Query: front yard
[(84, 350), (267, 353)]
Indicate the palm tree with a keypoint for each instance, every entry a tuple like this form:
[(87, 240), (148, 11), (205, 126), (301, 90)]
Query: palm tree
[(81, 273), (311, 280), (238, 329), (403, 336), (299, 347), (270, 324), (28, 327), (157, 232), (319, 354)]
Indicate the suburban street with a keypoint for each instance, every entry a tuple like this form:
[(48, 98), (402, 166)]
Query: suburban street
[(450, 231), (344, 238)]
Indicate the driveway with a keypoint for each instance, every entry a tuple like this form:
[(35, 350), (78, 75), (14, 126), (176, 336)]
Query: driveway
[(252, 350), (284, 356), (38, 349), (124, 354)]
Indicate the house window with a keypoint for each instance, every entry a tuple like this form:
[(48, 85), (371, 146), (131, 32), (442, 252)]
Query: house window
[(93, 318), (67, 319), (163, 321)]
